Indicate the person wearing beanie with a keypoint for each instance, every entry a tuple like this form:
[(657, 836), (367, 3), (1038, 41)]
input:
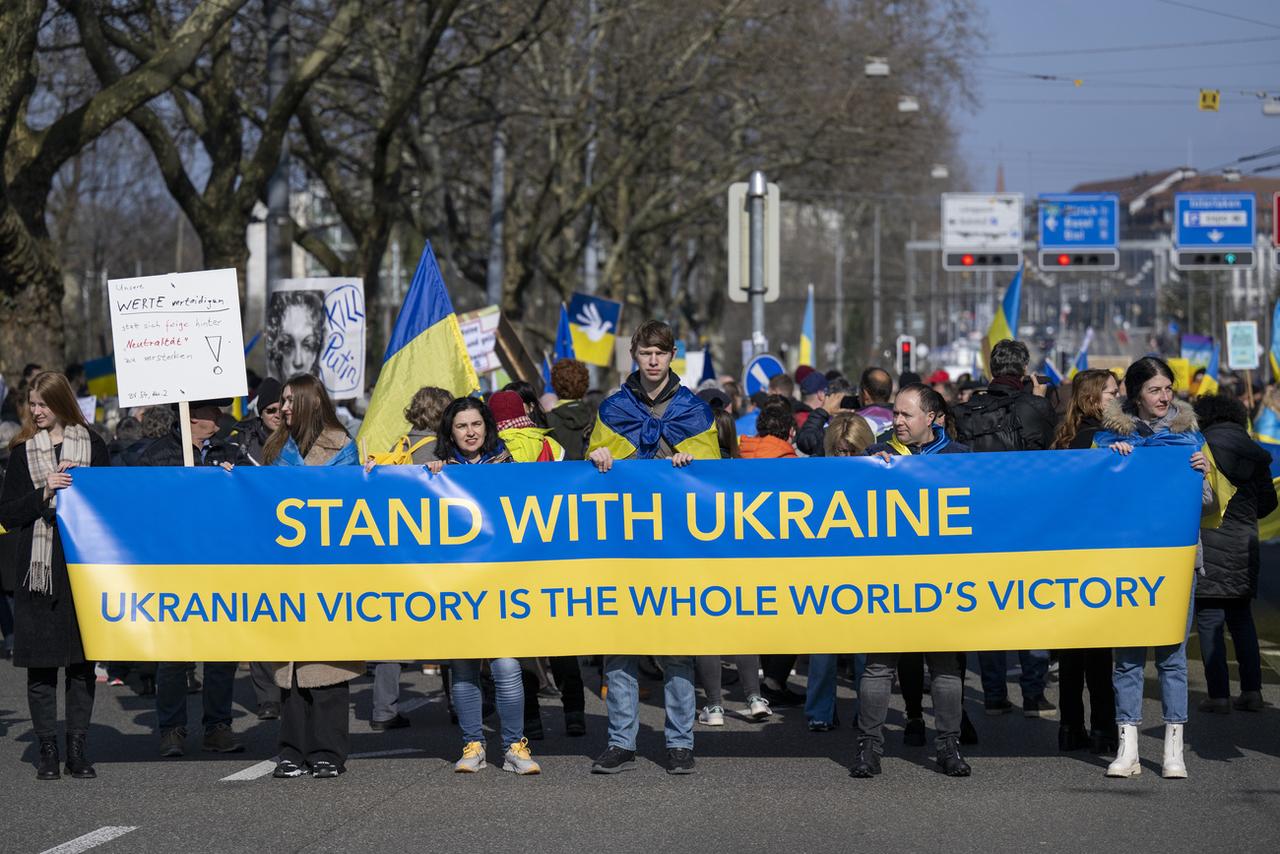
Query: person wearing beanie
[(527, 442), (251, 434)]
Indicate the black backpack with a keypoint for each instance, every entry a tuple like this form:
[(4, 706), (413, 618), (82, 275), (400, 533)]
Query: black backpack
[(989, 422)]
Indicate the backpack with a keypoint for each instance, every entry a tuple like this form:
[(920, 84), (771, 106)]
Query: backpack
[(989, 423), (401, 453)]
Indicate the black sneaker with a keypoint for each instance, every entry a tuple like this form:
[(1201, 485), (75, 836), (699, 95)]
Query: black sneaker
[(575, 724), (220, 740), (867, 763), (173, 742), (785, 698), (398, 722), (913, 735), (1072, 737), (325, 770), (286, 770), (950, 760), (968, 735), (999, 707), (614, 760), (269, 712), (679, 760), (1038, 707)]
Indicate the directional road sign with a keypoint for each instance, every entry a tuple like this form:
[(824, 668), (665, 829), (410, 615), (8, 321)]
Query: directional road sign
[(759, 371), (739, 243), (1213, 231), (981, 231), (1080, 230)]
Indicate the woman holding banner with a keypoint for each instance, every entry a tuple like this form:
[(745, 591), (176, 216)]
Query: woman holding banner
[(1092, 391), (313, 715), (54, 439), (1149, 416), (468, 435)]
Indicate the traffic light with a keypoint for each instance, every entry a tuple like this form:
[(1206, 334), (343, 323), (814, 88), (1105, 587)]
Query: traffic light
[(978, 260), (1091, 259), (906, 353), (1221, 259)]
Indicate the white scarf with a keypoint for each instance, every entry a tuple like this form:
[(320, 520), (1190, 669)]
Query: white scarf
[(43, 462)]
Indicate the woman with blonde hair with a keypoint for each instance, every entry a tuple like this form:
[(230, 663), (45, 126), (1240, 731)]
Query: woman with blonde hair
[(54, 439), (848, 435)]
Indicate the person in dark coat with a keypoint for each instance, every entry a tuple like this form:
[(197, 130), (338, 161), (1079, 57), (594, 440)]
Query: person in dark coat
[(251, 434), (1224, 594), (1092, 391), (54, 439), (572, 418)]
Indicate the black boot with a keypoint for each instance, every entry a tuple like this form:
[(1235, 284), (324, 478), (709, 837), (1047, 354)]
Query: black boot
[(48, 767), (1103, 742), (1071, 737), (867, 763), (77, 763), (950, 760)]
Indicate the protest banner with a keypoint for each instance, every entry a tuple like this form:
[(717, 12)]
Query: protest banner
[(177, 337), (317, 326), (739, 556), (480, 334)]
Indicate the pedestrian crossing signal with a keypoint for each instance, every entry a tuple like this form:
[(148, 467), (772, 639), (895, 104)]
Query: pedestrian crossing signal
[(906, 353)]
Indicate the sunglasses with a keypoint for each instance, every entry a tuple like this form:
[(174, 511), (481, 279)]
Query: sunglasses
[(272, 410)]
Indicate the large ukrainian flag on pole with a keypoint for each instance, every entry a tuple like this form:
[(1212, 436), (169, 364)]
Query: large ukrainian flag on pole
[(806, 332), (426, 349), (1209, 383), (1005, 323)]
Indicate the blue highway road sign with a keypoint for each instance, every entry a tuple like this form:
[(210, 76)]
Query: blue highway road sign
[(759, 371), (1079, 221), (1214, 220)]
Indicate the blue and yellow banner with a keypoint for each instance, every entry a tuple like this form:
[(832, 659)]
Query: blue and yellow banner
[(722, 557)]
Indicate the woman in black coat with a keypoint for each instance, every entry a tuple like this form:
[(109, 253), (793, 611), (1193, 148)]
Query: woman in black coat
[(54, 439), (1224, 594), (1091, 392)]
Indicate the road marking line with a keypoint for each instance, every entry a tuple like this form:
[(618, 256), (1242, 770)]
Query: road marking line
[(253, 772), (374, 754), (90, 840)]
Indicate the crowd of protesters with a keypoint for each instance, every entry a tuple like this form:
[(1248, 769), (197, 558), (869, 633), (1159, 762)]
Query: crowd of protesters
[(652, 415)]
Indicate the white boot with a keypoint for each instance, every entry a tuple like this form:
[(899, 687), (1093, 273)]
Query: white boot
[(1126, 764), (1173, 767)]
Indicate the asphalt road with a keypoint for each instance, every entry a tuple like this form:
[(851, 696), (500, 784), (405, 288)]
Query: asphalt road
[(758, 786)]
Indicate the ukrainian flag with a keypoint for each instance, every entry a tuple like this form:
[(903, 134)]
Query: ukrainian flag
[(100, 374), (1209, 383), (1275, 344), (1082, 358), (1269, 527), (806, 332), (564, 337), (426, 349), (625, 427), (593, 324), (1266, 428), (1055, 378), (1005, 323)]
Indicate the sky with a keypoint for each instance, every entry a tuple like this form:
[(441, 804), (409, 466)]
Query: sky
[(1135, 109)]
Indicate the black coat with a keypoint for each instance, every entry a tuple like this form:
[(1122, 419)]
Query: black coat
[(1035, 418), (1083, 440), (46, 633), (1231, 551)]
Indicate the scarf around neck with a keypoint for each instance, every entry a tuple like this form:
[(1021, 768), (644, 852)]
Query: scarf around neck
[(42, 461)]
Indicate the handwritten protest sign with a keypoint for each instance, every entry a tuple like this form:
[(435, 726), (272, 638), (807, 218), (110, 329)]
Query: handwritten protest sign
[(177, 337), (480, 334), (317, 326)]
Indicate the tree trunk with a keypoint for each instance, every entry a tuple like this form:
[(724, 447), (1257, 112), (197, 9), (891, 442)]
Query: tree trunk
[(30, 298)]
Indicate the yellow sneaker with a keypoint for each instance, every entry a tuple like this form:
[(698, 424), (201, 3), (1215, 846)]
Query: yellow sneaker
[(472, 758), (519, 760)]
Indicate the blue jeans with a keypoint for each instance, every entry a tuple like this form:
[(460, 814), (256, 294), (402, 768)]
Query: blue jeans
[(820, 695), (1237, 615), (992, 666), (1171, 667), (468, 699), (171, 693), (623, 700)]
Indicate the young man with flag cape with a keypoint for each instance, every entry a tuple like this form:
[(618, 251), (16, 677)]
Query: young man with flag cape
[(651, 417)]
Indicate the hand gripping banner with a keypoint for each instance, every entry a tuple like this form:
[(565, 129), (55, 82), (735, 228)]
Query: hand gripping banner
[(955, 552)]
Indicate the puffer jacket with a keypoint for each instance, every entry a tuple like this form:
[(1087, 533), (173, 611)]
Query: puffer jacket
[(1231, 558), (571, 422)]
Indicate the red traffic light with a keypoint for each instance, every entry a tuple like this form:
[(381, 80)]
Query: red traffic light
[(966, 260), (1064, 260)]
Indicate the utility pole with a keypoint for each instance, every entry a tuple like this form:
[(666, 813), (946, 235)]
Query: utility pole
[(279, 233), (497, 212), (757, 189), (875, 284), (591, 252), (839, 287)]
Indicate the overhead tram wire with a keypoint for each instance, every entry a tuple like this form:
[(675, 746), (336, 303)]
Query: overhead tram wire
[(1131, 48), (1219, 13)]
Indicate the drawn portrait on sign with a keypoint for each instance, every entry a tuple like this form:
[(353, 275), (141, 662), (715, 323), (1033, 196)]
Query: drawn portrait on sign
[(295, 333)]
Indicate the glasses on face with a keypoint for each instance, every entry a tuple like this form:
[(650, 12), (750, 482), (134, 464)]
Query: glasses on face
[(274, 409)]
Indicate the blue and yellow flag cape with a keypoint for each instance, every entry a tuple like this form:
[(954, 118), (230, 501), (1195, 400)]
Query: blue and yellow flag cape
[(1005, 323), (426, 348), (1266, 430), (625, 426)]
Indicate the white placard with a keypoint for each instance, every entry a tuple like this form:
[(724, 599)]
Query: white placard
[(480, 335), (1242, 345), (317, 326), (177, 337), (88, 407), (982, 221)]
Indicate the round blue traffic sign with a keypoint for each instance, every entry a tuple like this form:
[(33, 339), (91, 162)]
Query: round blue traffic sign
[(759, 371)]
